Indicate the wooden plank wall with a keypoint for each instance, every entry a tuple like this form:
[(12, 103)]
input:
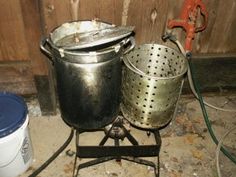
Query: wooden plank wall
[(20, 57), (149, 17)]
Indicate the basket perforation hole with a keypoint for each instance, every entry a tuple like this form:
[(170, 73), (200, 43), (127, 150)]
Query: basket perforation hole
[(139, 90), (163, 63), (144, 106), (149, 66), (154, 87), (153, 94), (150, 106), (149, 113), (136, 103), (159, 48), (146, 93), (137, 55), (151, 54), (143, 112), (152, 100), (155, 67), (145, 99), (173, 53), (148, 85), (150, 61), (137, 96), (161, 75), (155, 73), (137, 61), (165, 57), (140, 83), (152, 47)]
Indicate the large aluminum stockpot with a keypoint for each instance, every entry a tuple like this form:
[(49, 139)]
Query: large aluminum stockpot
[(88, 81)]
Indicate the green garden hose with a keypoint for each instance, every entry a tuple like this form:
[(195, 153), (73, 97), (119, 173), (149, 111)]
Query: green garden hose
[(204, 112)]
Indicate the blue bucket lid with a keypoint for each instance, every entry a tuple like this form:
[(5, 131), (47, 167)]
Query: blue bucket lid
[(13, 112)]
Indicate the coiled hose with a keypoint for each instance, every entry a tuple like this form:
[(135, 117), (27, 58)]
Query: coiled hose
[(220, 144), (205, 115), (196, 91)]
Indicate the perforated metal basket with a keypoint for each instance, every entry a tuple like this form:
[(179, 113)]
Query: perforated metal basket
[(151, 85)]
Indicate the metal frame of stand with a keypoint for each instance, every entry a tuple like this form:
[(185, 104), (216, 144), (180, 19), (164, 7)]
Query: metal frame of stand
[(104, 153)]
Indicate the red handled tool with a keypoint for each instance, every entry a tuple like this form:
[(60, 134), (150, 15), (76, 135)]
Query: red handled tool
[(187, 20)]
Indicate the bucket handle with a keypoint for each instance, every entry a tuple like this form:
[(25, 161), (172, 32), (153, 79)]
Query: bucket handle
[(130, 40), (43, 44)]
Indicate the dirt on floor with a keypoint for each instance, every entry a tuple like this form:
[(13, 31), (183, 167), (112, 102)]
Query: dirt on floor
[(186, 151)]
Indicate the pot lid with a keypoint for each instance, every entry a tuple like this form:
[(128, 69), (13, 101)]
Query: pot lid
[(13, 113), (85, 34)]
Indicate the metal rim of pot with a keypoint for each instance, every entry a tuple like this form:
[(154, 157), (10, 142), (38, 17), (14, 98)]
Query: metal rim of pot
[(88, 29), (117, 47), (133, 68), (115, 42)]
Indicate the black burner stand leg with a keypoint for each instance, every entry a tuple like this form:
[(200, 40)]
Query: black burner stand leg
[(129, 136), (158, 141), (92, 162), (105, 138), (157, 171), (74, 168), (117, 143)]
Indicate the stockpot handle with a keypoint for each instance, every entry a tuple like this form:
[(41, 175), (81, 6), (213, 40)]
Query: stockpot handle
[(48, 53), (130, 40)]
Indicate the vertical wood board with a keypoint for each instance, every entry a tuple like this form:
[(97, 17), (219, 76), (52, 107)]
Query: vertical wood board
[(13, 45)]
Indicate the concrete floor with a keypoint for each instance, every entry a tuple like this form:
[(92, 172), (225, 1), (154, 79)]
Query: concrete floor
[(187, 149)]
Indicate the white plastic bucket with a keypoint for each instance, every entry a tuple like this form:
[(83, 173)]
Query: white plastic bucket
[(16, 152)]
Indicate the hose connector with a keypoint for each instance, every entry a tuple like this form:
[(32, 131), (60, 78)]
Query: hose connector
[(168, 36)]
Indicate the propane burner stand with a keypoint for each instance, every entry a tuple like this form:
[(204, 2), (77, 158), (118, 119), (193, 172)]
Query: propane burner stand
[(117, 131)]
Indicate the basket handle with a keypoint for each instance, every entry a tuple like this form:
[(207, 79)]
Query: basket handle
[(43, 44)]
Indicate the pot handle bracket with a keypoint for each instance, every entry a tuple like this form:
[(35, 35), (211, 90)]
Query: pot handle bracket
[(130, 41), (47, 52)]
